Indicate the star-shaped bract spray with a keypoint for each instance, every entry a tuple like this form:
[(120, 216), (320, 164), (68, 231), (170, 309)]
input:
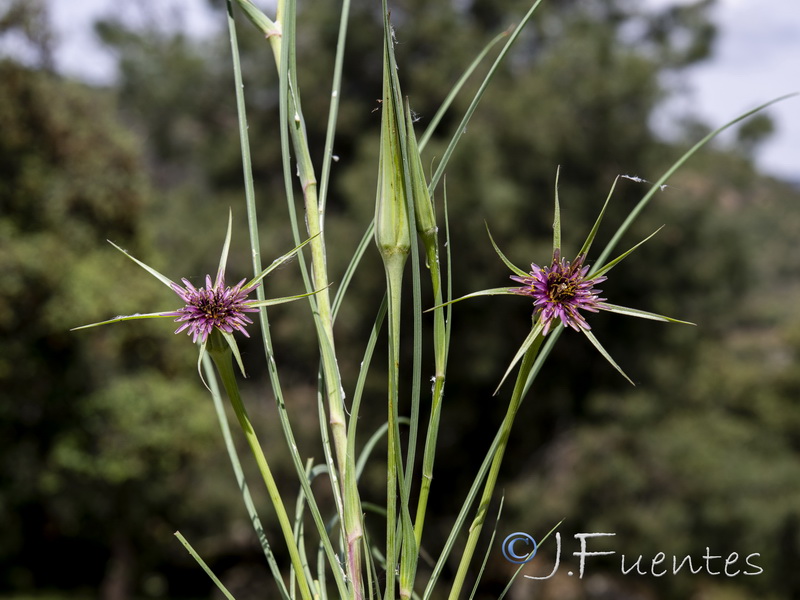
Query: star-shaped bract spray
[(215, 307), (562, 290)]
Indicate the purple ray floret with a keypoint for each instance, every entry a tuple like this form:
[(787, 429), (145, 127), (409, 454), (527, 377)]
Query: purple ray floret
[(213, 306), (561, 291)]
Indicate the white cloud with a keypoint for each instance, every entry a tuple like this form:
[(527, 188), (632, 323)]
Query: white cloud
[(757, 58)]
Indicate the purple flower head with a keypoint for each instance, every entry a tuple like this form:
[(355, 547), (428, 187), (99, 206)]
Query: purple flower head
[(217, 306), (561, 291)]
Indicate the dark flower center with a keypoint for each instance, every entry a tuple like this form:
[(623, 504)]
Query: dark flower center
[(560, 288)]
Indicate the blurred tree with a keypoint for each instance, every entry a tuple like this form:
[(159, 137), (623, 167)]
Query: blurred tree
[(697, 462), (24, 24), (98, 443), (752, 133)]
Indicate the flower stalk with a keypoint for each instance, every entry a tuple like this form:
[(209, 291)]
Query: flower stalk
[(475, 528), (427, 230), (222, 356), (393, 239)]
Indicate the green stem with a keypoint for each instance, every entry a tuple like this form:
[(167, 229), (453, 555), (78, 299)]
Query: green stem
[(517, 396), (223, 360), (394, 277), (292, 116), (440, 363)]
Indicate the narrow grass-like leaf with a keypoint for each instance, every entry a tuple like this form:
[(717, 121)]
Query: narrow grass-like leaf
[(606, 355), (461, 518), (299, 527), (355, 260), (204, 566), (333, 111), (361, 381), (457, 88), (514, 576), (366, 451), (462, 127), (282, 300), (479, 575)]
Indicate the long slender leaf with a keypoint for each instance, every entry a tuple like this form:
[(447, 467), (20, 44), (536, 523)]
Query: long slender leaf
[(338, 574), (204, 566), (633, 215), (461, 518), (448, 101), (462, 127)]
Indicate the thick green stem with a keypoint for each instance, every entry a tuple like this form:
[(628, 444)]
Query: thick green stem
[(223, 360), (488, 489), (394, 277), (351, 518)]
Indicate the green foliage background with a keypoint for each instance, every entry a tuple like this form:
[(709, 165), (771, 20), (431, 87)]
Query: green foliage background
[(108, 441)]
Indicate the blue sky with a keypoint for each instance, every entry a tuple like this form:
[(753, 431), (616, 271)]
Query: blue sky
[(756, 58)]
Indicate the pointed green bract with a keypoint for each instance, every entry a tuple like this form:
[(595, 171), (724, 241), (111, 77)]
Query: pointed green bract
[(223, 258), (502, 256), (593, 232), (534, 336), (162, 278), (277, 263), (231, 341), (642, 314), (605, 354), (556, 219), (489, 292), (282, 300), (158, 315), (610, 265)]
